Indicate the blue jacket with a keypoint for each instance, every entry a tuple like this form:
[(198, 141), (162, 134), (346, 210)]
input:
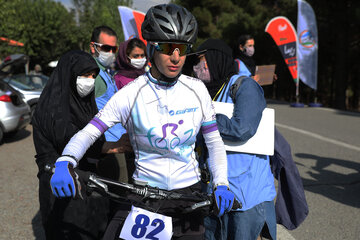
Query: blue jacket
[(114, 133), (243, 70), (249, 175)]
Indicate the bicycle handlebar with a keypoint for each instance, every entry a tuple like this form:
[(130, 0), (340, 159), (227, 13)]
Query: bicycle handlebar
[(101, 185)]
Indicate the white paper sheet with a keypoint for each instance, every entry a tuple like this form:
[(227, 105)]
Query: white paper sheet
[(263, 140)]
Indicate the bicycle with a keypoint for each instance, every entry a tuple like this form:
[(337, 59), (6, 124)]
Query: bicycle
[(145, 216)]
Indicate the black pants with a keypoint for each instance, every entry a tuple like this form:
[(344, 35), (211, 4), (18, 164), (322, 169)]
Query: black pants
[(67, 218)]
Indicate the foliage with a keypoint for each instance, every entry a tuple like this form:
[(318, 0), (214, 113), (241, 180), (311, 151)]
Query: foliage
[(48, 29), (39, 24)]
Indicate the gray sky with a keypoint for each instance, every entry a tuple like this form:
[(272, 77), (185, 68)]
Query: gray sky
[(140, 5), (144, 5)]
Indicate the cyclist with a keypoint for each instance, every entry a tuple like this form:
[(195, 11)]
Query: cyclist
[(162, 111)]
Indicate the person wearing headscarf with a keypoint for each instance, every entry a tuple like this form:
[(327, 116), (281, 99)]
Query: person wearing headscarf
[(219, 67), (249, 175), (66, 105), (131, 61), (244, 51)]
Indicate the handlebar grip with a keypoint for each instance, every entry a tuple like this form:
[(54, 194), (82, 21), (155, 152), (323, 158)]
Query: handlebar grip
[(83, 175)]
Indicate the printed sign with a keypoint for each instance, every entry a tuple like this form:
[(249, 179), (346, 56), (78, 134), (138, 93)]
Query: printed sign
[(142, 224), (284, 35)]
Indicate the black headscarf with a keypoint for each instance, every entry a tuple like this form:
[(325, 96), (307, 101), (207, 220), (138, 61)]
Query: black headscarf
[(220, 63), (61, 112), (248, 61)]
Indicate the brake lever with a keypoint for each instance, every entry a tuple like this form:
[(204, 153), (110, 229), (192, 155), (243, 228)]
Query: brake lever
[(94, 182), (197, 205)]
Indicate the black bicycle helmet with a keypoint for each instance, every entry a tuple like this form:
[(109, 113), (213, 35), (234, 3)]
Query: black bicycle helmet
[(169, 22)]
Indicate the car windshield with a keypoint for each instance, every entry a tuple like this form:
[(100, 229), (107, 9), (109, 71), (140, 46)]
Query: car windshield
[(28, 82)]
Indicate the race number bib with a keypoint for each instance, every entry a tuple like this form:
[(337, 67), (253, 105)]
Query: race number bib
[(143, 224)]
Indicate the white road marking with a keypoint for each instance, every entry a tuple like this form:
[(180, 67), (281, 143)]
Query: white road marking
[(314, 135)]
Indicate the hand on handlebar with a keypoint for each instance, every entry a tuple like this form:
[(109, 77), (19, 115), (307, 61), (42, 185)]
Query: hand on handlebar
[(224, 199), (65, 182)]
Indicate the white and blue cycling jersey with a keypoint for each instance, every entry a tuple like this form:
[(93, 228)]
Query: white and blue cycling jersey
[(162, 122)]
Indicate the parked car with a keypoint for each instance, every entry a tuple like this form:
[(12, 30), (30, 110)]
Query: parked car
[(14, 111), (30, 86)]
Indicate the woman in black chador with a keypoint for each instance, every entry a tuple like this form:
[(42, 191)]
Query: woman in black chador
[(66, 105)]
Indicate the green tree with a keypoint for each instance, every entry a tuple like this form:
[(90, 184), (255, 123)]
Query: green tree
[(39, 24), (48, 29), (9, 27)]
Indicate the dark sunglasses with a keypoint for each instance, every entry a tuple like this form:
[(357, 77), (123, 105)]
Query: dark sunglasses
[(169, 48), (105, 47)]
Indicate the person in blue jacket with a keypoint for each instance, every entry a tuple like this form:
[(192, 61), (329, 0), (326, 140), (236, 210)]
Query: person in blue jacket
[(103, 47), (249, 175)]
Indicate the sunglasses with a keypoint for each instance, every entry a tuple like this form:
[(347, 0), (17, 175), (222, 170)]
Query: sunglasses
[(169, 48), (105, 47)]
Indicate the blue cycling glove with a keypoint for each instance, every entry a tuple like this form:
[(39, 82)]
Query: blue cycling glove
[(224, 199), (65, 182)]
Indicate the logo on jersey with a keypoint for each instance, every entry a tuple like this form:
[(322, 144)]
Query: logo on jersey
[(171, 138), (183, 111)]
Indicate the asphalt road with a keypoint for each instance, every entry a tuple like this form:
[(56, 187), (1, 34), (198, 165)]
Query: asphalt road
[(325, 145)]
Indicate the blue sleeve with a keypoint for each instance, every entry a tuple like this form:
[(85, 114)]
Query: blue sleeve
[(249, 105)]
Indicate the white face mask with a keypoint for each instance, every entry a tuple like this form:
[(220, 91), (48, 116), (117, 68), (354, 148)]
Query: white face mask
[(84, 85), (138, 63), (105, 58)]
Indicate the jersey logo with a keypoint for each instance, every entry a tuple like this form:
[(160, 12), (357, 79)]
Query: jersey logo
[(170, 139), (183, 111), (174, 127)]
